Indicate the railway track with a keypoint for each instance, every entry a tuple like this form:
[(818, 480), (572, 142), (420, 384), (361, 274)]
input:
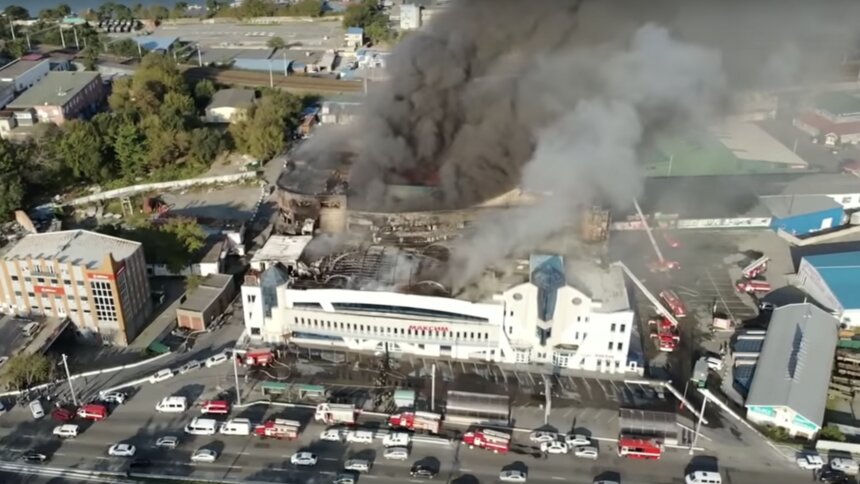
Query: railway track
[(260, 79)]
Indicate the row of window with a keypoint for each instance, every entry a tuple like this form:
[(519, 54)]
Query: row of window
[(612, 327), (389, 331), (619, 347), (42, 280)]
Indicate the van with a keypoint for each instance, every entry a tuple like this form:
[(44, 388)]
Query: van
[(359, 436), (396, 439), (36, 409), (715, 363), (172, 405), (396, 453), (68, 431), (357, 465), (30, 329), (236, 426), (704, 477), (215, 407), (93, 411), (201, 426)]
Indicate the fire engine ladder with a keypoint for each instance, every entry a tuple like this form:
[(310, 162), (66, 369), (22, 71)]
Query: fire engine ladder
[(758, 262), (656, 302), (648, 231)]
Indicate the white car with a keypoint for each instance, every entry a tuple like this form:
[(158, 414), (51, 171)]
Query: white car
[(167, 442), (216, 360), (554, 447), (586, 452), (541, 436), (577, 440), (190, 366), (303, 459), (844, 464), (204, 455), (512, 476), (810, 462), (122, 450), (113, 397), (161, 375), (330, 435)]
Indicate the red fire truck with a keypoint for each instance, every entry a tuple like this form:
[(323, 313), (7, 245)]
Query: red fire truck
[(674, 303), (753, 287), (756, 268), (498, 442), (634, 447), (331, 413), (215, 407), (93, 411), (664, 265), (417, 421), (258, 357), (666, 340), (279, 429)]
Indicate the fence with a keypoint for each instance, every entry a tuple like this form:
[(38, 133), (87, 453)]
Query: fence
[(151, 187), (838, 446)]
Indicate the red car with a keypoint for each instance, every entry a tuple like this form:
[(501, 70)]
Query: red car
[(63, 414)]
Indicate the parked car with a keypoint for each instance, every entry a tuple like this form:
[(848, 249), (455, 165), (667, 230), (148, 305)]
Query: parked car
[(63, 414), (113, 397), (541, 436), (161, 375), (306, 459), (832, 475), (396, 453), (167, 442), (345, 478), (33, 457), (217, 359), (554, 447), (512, 475), (422, 471), (122, 450), (586, 452), (810, 461), (844, 464), (190, 366), (204, 455), (331, 435), (577, 440)]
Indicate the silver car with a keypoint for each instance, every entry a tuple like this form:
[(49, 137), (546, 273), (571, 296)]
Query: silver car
[(190, 366), (167, 442), (513, 475)]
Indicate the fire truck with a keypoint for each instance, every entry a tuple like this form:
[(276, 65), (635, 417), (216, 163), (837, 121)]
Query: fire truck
[(93, 411), (417, 421), (666, 340), (753, 287), (279, 429), (258, 357), (331, 413), (633, 447), (756, 268), (674, 302), (498, 442)]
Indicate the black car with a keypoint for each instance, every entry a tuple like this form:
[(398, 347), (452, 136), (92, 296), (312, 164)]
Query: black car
[(422, 471), (34, 458), (832, 475)]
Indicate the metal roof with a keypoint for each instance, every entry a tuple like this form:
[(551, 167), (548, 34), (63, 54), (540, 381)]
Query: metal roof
[(794, 367), (822, 184), (286, 249), (55, 89), (478, 403), (838, 103), (210, 288), (782, 206), (78, 247), (19, 67), (355, 30), (156, 43), (841, 272), (232, 98)]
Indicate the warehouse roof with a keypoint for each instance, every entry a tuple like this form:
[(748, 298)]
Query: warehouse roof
[(56, 89), (285, 249), (840, 271), (232, 98), (18, 67), (838, 103), (202, 296), (156, 43), (822, 184), (78, 247), (794, 367), (355, 30), (782, 206)]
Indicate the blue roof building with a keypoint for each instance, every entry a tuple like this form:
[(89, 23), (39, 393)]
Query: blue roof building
[(156, 44), (804, 214), (833, 280)]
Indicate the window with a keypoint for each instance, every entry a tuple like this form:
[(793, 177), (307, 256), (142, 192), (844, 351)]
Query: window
[(612, 328), (14, 278), (252, 298), (579, 319), (620, 346), (31, 294), (611, 344), (846, 199), (255, 331), (421, 347), (623, 327)]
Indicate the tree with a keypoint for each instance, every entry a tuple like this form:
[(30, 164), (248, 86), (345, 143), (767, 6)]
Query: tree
[(82, 148), (256, 8), (64, 10), (177, 110), (125, 48), (203, 92), (276, 43), (180, 9), (130, 148), (204, 146), (308, 8), (832, 432), (11, 183), (368, 15), (264, 134), (187, 231), (15, 48), (15, 12), (159, 12), (27, 370), (212, 6), (173, 243)]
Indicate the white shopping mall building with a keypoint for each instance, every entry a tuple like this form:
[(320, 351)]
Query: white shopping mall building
[(575, 319)]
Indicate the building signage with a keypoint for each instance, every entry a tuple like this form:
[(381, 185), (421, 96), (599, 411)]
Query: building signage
[(100, 277), (58, 291), (429, 329)]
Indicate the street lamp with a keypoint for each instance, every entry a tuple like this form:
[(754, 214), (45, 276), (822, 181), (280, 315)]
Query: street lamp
[(69, 379)]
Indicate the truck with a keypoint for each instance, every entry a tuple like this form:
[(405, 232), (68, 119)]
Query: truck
[(674, 303), (635, 447), (753, 286), (666, 340), (257, 357), (331, 413), (498, 442), (278, 428), (417, 421), (756, 268), (93, 411)]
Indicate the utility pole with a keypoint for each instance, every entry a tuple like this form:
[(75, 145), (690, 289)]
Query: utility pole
[(12, 28), (433, 388), (548, 407), (271, 77), (285, 64), (62, 37), (28, 41), (77, 45), (139, 51), (699, 424), (236, 376), (199, 57), (69, 378)]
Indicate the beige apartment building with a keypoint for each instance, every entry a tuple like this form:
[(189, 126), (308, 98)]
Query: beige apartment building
[(97, 281)]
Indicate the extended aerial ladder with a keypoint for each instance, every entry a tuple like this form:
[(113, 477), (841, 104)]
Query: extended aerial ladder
[(660, 258), (656, 302)]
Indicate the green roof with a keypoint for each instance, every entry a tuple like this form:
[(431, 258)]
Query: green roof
[(56, 89), (838, 103), (701, 154)]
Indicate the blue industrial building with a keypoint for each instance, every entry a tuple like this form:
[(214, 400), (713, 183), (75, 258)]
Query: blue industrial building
[(833, 280), (804, 214)]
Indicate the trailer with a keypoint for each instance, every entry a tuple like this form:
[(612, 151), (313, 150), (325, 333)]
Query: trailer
[(278, 429), (331, 413), (417, 421), (498, 442), (633, 447)]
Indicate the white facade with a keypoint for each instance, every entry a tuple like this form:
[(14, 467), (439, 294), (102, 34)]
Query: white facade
[(24, 74), (811, 282), (410, 16), (581, 332)]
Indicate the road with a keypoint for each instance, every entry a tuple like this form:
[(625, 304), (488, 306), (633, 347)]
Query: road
[(248, 458), (295, 83)]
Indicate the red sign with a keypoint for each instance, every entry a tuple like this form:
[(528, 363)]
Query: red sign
[(100, 277), (431, 329), (59, 291)]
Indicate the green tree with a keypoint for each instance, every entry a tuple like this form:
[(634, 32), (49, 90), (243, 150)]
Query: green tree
[(266, 131), (203, 92), (16, 12), (173, 243), (368, 14), (177, 111), (159, 12), (63, 9), (832, 432), (11, 183), (187, 231), (82, 148), (130, 149), (204, 146), (212, 6), (125, 48), (276, 43), (307, 8), (49, 14), (16, 48), (180, 9), (256, 8), (26, 370)]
